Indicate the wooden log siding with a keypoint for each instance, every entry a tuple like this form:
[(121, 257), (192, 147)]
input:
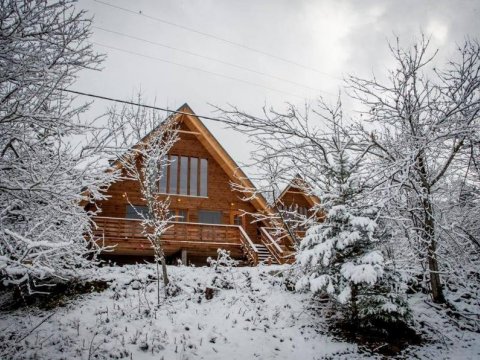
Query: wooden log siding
[(220, 196), (200, 181), (127, 238)]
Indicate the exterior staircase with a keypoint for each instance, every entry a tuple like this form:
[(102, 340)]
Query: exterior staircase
[(264, 256)]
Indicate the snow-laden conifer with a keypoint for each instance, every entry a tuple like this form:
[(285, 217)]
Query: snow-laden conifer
[(341, 255)]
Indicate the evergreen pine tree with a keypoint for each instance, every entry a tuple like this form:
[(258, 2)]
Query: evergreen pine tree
[(340, 256)]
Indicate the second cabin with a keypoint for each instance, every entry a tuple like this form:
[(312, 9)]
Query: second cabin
[(296, 204), (208, 213)]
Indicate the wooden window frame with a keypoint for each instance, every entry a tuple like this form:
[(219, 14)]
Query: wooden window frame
[(178, 168), (234, 213), (176, 213)]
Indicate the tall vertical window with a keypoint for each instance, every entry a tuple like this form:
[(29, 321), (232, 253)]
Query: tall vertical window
[(203, 177), (173, 171), (193, 176), (183, 175), (162, 185)]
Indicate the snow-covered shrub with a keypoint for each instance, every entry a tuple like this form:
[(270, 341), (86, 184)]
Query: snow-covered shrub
[(223, 260), (222, 265)]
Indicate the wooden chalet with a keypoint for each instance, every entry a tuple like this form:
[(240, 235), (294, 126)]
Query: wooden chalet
[(295, 203), (209, 214)]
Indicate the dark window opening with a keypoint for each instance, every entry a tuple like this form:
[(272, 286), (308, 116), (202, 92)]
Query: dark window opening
[(209, 217), (137, 212)]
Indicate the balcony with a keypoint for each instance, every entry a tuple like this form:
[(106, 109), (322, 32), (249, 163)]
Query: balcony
[(127, 238)]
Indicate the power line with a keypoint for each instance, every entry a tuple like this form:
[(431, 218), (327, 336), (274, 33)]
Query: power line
[(206, 57), (140, 13), (197, 69), (101, 97)]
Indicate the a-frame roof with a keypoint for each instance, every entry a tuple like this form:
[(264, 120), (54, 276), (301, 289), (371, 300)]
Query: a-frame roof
[(186, 116), (299, 183), (217, 151)]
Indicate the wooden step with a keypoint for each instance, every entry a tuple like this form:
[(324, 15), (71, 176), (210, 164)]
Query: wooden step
[(264, 255)]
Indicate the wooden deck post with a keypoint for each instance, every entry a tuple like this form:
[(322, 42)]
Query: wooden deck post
[(184, 256)]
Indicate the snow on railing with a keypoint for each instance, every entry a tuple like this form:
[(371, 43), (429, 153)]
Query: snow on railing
[(274, 248), (119, 229)]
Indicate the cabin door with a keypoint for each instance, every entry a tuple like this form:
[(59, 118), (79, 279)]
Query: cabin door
[(236, 218)]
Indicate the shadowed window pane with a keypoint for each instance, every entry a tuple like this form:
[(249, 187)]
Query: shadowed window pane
[(182, 215), (193, 176), (136, 212), (209, 217), (173, 174), (203, 177), (183, 175), (162, 185)]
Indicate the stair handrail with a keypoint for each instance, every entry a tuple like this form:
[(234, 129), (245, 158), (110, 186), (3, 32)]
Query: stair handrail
[(281, 257), (286, 235), (277, 251), (250, 247), (269, 237)]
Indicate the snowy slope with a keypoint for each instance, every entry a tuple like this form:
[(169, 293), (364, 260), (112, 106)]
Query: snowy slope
[(257, 319)]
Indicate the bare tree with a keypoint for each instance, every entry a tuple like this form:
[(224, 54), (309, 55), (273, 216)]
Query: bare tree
[(420, 132), (49, 155), (288, 145), (341, 255), (270, 175), (147, 139), (425, 120)]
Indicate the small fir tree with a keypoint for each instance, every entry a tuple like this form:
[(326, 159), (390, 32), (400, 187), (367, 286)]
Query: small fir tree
[(222, 266), (340, 256)]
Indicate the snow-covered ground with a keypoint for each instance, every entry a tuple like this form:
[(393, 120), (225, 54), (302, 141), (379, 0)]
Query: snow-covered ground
[(257, 319)]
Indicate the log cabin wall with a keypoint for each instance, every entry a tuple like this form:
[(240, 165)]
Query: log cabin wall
[(220, 196), (295, 196)]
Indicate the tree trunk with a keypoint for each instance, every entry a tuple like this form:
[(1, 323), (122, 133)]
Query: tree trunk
[(429, 228), (429, 234), (159, 254), (164, 271), (354, 307), (158, 281)]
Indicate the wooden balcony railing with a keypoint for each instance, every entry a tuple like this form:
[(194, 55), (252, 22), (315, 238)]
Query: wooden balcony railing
[(127, 238), (281, 255)]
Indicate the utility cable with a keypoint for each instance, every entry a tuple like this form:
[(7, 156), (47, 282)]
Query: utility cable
[(205, 57), (101, 97), (168, 22), (197, 69)]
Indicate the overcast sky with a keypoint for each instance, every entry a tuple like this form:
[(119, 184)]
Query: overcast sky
[(259, 52)]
